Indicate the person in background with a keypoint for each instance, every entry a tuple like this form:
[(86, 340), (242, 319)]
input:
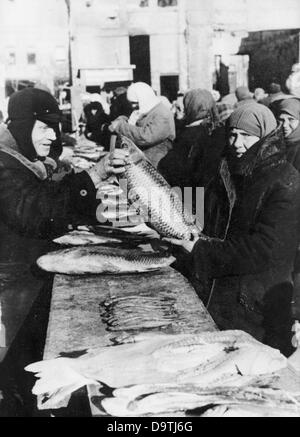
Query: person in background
[(275, 93), (230, 99), (196, 151), (96, 119), (152, 127), (33, 210), (120, 104), (287, 112), (259, 94), (243, 95), (293, 81), (244, 259)]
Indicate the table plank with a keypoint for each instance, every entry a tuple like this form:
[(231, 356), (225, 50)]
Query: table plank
[(75, 322)]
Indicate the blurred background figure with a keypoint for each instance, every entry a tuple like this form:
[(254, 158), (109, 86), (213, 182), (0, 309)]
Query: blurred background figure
[(293, 81), (151, 127), (275, 93), (243, 95), (120, 104), (178, 111), (287, 112), (196, 151), (96, 118), (259, 94)]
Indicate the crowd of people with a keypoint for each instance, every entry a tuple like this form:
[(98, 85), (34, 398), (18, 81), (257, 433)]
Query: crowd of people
[(244, 150)]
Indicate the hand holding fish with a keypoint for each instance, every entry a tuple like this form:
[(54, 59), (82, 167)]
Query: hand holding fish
[(112, 163), (185, 244)]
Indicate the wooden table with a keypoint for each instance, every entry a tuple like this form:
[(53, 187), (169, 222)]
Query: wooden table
[(75, 323)]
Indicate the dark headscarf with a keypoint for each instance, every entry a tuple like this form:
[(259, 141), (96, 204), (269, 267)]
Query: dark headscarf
[(24, 108), (253, 118), (199, 104), (257, 120), (290, 107)]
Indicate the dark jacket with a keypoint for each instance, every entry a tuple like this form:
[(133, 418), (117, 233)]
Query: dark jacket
[(252, 218), (33, 210), (195, 157), (95, 124)]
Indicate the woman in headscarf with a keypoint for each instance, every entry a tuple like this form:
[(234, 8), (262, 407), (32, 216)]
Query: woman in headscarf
[(199, 144), (287, 112), (244, 259), (151, 126)]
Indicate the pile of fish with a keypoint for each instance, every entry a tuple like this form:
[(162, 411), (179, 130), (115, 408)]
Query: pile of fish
[(152, 196), (161, 373), (248, 398), (138, 312), (96, 259)]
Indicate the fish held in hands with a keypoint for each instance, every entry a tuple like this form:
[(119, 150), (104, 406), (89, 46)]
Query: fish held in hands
[(150, 191)]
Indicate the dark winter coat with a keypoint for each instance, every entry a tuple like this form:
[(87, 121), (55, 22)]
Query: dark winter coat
[(195, 157), (197, 149), (252, 220), (95, 122), (33, 210)]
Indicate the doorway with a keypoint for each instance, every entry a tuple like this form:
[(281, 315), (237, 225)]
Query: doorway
[(140, 56), (169, 86)]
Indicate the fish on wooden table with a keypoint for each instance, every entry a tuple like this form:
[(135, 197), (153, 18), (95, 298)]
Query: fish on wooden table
[(159, 398), (81, 238), (95, 260), (160, 359), (151, 193)]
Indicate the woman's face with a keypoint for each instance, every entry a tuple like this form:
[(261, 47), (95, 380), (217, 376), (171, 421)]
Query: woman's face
[(42, 136), (289, 123), (240, 141)]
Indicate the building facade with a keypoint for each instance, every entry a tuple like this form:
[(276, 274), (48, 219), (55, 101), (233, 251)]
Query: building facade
[(171, 44)]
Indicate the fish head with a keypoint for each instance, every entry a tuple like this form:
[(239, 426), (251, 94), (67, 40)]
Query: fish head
[(135, 154)]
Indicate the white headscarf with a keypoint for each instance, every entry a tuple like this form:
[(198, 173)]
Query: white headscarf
[(143, 94)]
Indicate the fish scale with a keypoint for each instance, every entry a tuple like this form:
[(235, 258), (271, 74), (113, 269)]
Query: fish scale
[(163, 206)]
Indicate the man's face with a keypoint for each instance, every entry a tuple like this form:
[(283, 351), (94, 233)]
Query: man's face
[(42, 137), (240, 141), (289, 123)]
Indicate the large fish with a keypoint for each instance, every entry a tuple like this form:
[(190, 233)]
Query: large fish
[(94, 259), (150, 191)]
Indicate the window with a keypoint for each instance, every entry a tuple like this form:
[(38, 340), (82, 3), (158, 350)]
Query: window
[(165, 3), (11, 58), (60, 54), (31, 58)]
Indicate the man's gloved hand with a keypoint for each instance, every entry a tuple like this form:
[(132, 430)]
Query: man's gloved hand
[(111, 164)]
